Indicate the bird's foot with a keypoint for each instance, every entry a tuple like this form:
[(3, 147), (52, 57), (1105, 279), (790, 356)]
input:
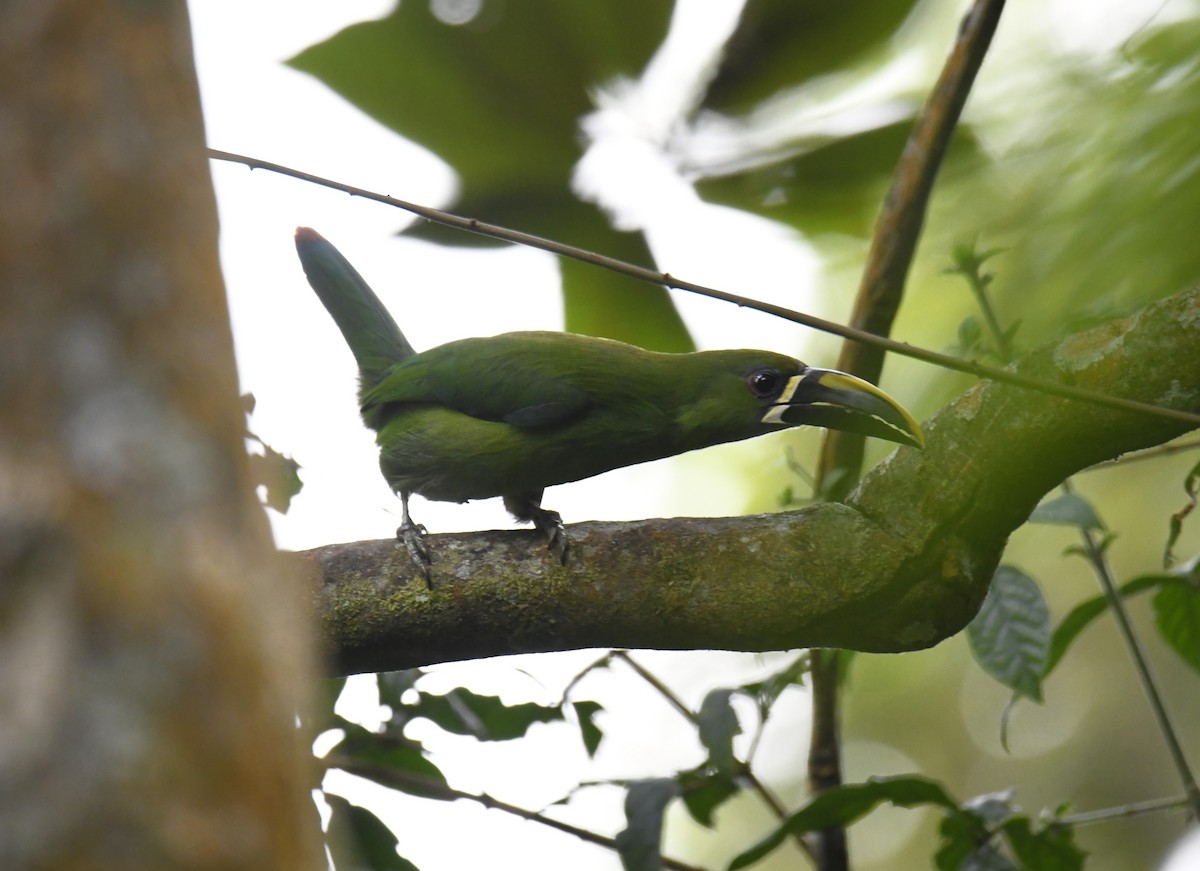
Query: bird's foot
[(550, 524), (412, 536)]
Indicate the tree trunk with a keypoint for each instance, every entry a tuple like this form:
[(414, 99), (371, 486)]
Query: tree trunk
[(152, 656)]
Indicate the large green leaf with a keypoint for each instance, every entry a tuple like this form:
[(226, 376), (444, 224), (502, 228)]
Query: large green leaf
[(500, 98), (1010, 636)]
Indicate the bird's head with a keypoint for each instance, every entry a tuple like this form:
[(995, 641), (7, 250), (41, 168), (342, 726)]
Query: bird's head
[(768, 390)]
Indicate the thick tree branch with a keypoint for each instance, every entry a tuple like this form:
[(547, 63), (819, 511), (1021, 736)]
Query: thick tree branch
[(903, 565)]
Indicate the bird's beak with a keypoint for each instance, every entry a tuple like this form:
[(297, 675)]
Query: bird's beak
[(835, 400)]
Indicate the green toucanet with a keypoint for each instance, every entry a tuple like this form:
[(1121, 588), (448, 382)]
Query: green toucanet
[(512, 414)]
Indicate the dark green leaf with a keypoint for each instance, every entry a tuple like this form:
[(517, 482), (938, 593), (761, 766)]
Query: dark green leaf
[(498, 97), (484, 717), (1082, 615), (600, 302), (392, 761), (781, 44), (844, 805), (767, 691), (330, 692), (359, 841), (277, 474), (704, 792), (963, 835), (393, 685), (588, 730), (1069, 509), (718, 724), (645, 803), (1051, 848), (1010, 636), (1177, 615)]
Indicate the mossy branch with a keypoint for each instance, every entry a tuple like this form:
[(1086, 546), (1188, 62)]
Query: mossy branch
[(903, 565)]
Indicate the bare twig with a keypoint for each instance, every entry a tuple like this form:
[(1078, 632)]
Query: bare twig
[(641, 273), (1136, 809)]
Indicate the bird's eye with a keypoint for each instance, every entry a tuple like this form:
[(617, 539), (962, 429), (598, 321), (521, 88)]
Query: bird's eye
[(764, 383)]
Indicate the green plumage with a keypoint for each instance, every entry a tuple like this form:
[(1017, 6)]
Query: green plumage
[(522, 411), (513, 414)]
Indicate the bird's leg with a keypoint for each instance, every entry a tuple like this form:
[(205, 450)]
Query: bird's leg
[(528, 506), (412, 535)]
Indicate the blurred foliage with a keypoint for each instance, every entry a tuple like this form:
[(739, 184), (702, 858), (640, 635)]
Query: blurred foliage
[(500, 97), (1081, 173)]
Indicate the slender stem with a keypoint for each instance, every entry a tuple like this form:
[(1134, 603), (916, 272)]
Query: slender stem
[(401, 779), (1135, 809), (1099, 563), (970, 271), (641, 273), (825, 751), (1148, 454)]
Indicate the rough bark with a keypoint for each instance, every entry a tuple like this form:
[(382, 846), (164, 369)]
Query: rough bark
[(904, 564), (152, 655)]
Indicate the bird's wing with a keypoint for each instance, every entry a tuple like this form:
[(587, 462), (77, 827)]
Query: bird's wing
[(484, 379)]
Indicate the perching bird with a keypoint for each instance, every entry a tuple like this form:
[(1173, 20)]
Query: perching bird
[(512, 414)]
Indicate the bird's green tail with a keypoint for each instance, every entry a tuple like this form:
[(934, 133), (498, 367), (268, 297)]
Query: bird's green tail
[(367, 326)]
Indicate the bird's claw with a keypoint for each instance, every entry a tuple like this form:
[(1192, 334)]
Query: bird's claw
[(550, 524), (412, 536)]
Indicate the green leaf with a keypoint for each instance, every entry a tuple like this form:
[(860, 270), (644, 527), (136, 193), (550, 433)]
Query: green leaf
[(645, 804), (395, 762), (591, 734), (358, 840), (1177, 615), (278, 475), (1010, 636), (1082, 615), (718, 724), (781, 44), (498, 97), (1069, 509), (703, 792), (964, 840), (844, 805), (766, 692), (483, 717), (1050, 848)]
